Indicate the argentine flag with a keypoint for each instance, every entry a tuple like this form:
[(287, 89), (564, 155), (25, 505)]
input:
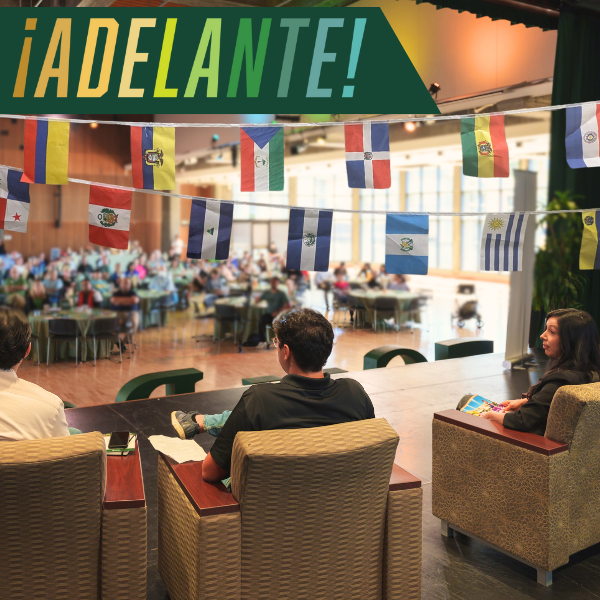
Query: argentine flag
[(407, 244), (309, 239), (210, 229), (582, 143)]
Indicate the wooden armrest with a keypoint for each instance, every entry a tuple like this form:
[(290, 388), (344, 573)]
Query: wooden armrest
[(207, 498), (124, 483), (530, 441), (402, 480)]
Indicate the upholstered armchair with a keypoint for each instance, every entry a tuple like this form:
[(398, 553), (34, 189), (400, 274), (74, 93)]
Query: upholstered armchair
[(533, 497), (72, 522), (315, 514)]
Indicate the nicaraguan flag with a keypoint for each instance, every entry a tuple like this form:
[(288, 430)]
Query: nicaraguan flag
[(589, 256), (153, 158), (368, 155), (407, 244), (210, 229), (309, 239), (583, 146), (14, 201), (502, 241), (262, 159)]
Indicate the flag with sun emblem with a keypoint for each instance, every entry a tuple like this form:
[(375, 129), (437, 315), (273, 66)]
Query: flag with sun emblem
[(589, 256), (14, 201), (309, 239), (109, 217), (502, 242), (583, 146), (407, 244)]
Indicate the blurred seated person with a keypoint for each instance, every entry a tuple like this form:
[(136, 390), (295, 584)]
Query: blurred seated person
[(154, 262), (15, 288), (341, 289), (54, 286), (273, 254), (162, 281), (139, 269), (70, 295), (277, 301), (342, 269), (226, 270), (199, 277), (84, 268), (32, 268), (20, 266), (66, 276), (117, 275), (88, 296), (127, 303), (104, 264), (324, 281), (100, 284), (216, 287), (176, 247), (27, 411), (178, 269), (36, 296), (130, 271), (377, 279), (366, 272), (262, 265), (42, 262), (398, 282)]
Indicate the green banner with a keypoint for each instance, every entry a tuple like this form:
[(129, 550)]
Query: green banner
[(206, 60)]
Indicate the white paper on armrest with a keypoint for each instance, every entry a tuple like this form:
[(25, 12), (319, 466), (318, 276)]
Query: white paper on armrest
[(179, 450)]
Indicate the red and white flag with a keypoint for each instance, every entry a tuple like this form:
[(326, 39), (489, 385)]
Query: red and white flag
[(109, 216)]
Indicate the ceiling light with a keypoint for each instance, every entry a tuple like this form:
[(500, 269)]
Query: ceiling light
[(410, 126), (434, 88), (94, 125), (321, 141)]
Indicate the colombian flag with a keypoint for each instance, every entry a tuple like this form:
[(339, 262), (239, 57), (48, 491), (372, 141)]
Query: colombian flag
[(589, 257), (46, 152), (153, 158), (484, 147)]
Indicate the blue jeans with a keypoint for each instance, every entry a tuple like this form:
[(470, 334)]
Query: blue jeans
[(213, 425)]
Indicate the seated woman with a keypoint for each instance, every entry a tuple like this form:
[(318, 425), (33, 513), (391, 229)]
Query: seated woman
[(571, 341)]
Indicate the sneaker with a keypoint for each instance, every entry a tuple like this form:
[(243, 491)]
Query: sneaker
[(262, 345), (185, 424)]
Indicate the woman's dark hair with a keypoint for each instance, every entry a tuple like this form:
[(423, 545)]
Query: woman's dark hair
[(309, 336), (15, 335)]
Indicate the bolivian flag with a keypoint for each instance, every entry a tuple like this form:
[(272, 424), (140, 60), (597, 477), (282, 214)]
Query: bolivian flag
[(485, 152), (153, 158), (589, 257), (46, 152)]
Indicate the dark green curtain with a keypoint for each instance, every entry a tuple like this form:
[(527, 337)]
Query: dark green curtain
[(576, 79)]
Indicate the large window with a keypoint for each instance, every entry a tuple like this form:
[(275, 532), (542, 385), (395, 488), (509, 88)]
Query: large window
[(244, 212)]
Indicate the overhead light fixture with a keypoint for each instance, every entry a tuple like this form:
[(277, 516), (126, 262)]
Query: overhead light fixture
[(190, 161), (320, 140), (94, 125), (410, 126), (434, 88)]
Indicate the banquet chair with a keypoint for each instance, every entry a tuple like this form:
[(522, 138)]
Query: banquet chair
[(106, 330), (227, 313), (319, 513), (63, 331), (386, 307), (358, 307), (203, 316), (164, 304)]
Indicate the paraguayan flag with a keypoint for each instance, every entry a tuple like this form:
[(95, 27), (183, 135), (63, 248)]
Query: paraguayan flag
[(407, 244), (502, 241), (210, 229), (309, 239)]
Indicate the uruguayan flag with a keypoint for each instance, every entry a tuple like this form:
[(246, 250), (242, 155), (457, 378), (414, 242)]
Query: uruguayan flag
[(502, 242), (210, 229), (582, 143), (407, 244), (309, 239)]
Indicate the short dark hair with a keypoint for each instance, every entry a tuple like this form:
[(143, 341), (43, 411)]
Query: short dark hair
[(309, 336), (15, 336)]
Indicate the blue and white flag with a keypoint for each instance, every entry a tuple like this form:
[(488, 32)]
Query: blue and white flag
[(309, 239), (502, 242), (407, 244), (14, 200), (582, 143), (210, 229)]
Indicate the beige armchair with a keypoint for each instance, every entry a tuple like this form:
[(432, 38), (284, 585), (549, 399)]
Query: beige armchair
[(72, 522), (533, 497), (315, 514)]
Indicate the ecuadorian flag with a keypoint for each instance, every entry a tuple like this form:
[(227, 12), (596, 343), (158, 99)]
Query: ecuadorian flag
[(484, 147), (589, 257), (153, 158), (46, 152)]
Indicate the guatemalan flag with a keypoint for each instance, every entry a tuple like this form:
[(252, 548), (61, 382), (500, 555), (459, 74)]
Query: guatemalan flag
[(109, 216), (14, 201), (262, 159), (309, 239), (407, 244), (153, 158), (583, 146), (210, 229), (368, 155), (502, 241)]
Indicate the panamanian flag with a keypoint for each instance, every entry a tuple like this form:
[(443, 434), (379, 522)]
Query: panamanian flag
[(309, 239), (368, 155), (583, 145), (407, 244), (211, 222), (502, 241), (14, 201), (262, 159)]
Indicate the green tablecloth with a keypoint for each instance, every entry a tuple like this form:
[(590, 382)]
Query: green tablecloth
[(39, 326), (247, 317), (148, 299), (403, 300)]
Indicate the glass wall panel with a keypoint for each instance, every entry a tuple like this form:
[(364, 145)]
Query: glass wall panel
[(260, 213)]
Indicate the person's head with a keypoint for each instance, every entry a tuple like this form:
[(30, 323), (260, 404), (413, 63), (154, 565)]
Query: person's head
[(214, 274), (53, 274), (118, 268), (14, 273), (86, 285), (175, 263), (84, 260), (304, 338), (104, 260), (125, 284), (572, 341), (19, 261), (275, 283), (15, 337), (130, 267), (96, 275)]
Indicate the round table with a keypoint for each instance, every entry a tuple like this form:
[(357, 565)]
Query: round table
[(248, 317), (40, 326), (148, 300), (403, 300)]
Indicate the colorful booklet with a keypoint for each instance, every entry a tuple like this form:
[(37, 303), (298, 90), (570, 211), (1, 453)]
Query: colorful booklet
[(478, 405)]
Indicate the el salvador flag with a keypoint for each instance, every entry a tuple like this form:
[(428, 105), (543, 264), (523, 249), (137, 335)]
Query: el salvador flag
[(210, 229), (309, 239), (407, 244), (582, 143)]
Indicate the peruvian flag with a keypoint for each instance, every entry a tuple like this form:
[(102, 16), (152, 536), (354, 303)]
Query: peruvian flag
[(109, 216)]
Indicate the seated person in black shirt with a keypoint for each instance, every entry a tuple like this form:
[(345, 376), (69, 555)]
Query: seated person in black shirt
[(571, 341), (305, 397), (126, 302)]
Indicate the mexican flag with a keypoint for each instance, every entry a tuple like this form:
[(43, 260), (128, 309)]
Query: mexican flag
[(109, 217), (262, 159)]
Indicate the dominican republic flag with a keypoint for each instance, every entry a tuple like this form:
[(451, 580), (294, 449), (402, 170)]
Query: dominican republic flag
[(368, 155), (210, 229), (502, 241), (109, 217), (153, 158), (407, 244), (583, 146), (14, 200), (309, 239), (46, 152), (262, 159)]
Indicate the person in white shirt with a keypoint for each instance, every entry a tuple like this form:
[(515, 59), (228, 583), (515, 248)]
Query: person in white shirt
[(27, 411)]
